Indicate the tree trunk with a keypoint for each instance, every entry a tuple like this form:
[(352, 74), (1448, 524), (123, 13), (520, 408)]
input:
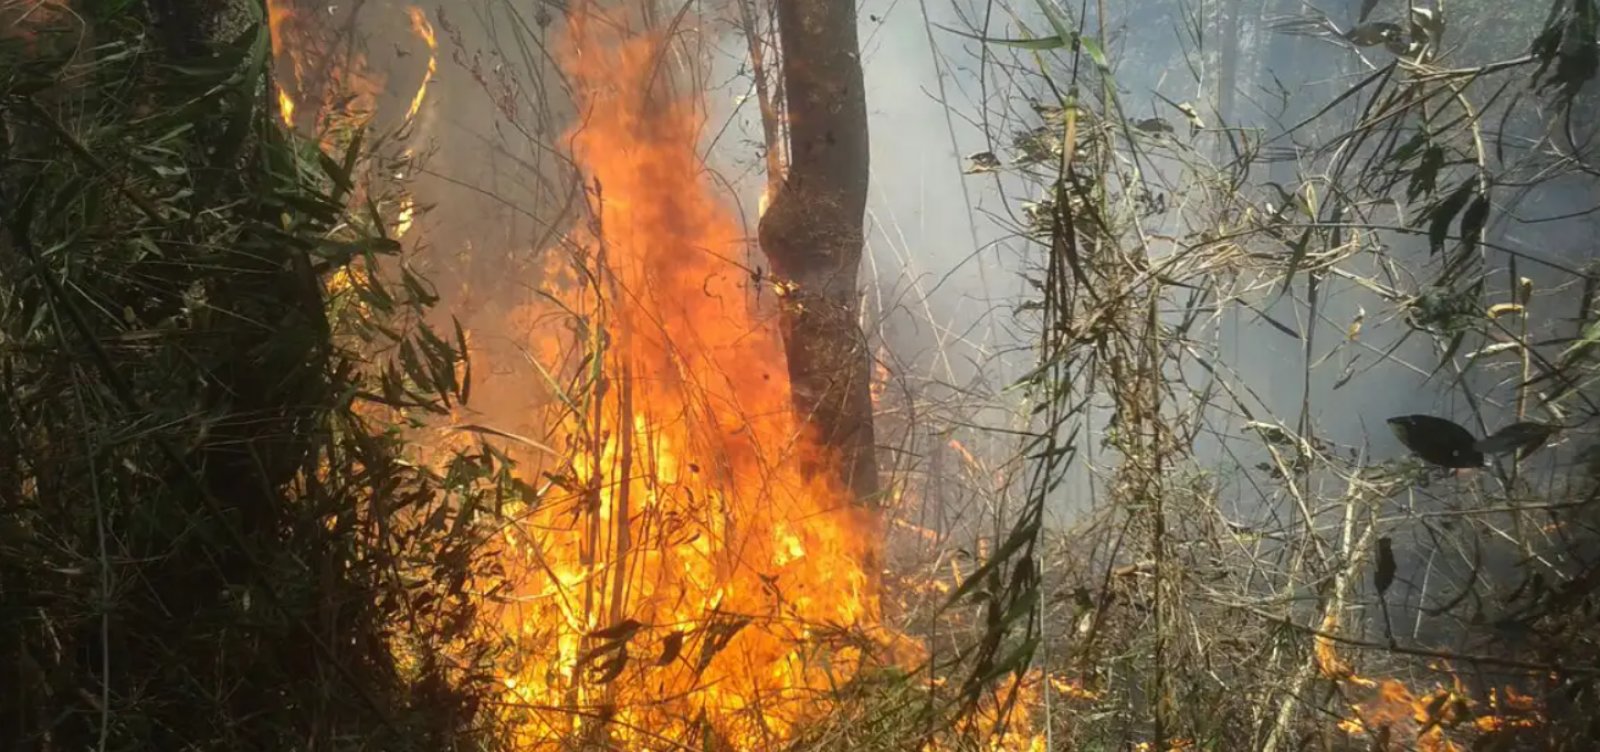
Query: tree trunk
[(812, 231)]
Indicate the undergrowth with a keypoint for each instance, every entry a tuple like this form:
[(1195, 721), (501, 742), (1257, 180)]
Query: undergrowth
[(209, 537)]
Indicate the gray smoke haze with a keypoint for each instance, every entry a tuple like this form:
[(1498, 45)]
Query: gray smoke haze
[(945, 267)]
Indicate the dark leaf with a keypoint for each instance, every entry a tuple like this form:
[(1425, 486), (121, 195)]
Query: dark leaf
[(612, 667), (1523, 437), (337, 174), (622, 630), (1442, 215), (983, 161), (1297, 256), (1019, 537), (1437, 441), (466, 363), (1153, 125), (670, 648), (1367, 6), (1373, 34), (1383, 576), (717, 637), (1424, 178), (1473, 221)]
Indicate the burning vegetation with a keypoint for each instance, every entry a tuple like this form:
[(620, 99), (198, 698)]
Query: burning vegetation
[(679, 576), (669, 571), (594, 514)]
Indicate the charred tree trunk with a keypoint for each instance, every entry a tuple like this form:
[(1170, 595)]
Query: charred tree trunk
[(812, 231)]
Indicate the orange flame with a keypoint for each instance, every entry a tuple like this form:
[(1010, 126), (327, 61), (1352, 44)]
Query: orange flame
[(286, 107), (1434, 722), (336, 89), (279, 18), (424, 30), (692, 582)]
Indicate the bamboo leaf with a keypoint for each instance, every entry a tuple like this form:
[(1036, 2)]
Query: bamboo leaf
[(1019, 537), (1297, 256), (1044, 43), (671, 647)]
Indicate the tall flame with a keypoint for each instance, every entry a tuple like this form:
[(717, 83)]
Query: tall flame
[(692, 581), (424, 31)]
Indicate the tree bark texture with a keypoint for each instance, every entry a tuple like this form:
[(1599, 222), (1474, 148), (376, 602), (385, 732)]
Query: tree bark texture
[(812, 231)]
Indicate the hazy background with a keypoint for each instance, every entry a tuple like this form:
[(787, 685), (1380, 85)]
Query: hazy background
[(945, 265)]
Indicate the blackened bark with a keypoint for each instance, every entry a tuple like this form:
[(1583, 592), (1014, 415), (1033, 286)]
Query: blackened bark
[(812, 230)]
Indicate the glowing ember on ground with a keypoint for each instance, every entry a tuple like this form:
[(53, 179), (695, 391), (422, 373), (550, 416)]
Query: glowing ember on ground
[(1391, 713)]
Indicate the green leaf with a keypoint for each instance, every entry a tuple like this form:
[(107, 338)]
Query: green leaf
[(414, 285), (1297, 256), (337, 174), (1586, 341), (1088, 44), (1045, 43), (1091, 47), (339, 253), (1019, 537)]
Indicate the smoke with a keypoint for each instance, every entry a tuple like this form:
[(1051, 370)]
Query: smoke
[(945, 268)]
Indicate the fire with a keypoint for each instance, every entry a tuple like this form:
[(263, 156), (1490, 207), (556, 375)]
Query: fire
[(286, 108), (1433, 722), (681, 579), (1403, 714), (329, 80), (965, 455), (403, 219), (424, 31)]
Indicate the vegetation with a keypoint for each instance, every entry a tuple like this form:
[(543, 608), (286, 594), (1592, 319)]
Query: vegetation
[(1218, 584), (208, 536), (226, 523)]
